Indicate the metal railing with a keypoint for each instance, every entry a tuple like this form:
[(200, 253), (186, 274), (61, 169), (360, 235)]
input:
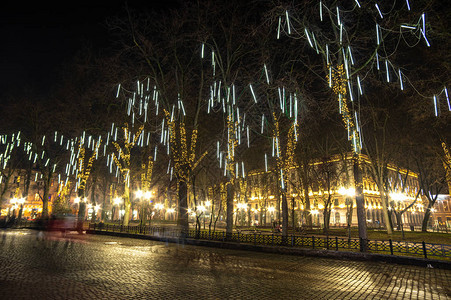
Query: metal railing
[(415, 249)]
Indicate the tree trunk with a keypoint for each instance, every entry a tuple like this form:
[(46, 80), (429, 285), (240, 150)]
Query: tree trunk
[(182, 218), (212, 214), (27, 180), (293, 217), (229, 227), (307, 214), (360, 202), (219, 213), (327, 212), (349, 209), (398, 221), (388, 223), (45, 198), (305, 188), (127, 205), (278, 205), (103, 216), (93, 200), (142, 215), (19, 217), (326, 219), (265, 205), (427, 214), (284, 218), (81, 210), (198, 226)]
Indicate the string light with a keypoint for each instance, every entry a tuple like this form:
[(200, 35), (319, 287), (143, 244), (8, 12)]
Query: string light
[(339, 88), (379, 11), (253, 94), (288, 22), (436, 106), (447, 99)]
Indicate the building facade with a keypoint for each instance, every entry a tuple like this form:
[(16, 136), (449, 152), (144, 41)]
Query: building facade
[(15, 198), (331, 184), (258, 200)]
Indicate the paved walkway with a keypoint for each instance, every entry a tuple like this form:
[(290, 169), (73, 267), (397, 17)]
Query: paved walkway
[(106, 267)]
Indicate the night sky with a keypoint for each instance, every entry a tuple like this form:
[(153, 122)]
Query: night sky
[(37, 39)]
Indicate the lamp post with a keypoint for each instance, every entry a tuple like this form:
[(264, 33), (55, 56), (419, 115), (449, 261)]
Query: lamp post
[(144, 199), (148, 195), (21, 202), (12, 209), (271, 210), (93, 211), (116, 207), (96, 209), (171, 211), (396, 203), (121, 214), (90, 210), (159, 207), (210, 211), (202, 211)]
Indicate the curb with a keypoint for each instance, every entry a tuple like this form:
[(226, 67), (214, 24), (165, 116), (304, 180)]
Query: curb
[(357, 256)]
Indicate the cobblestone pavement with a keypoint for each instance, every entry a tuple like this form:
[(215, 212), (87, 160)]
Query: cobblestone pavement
[(105, 267)]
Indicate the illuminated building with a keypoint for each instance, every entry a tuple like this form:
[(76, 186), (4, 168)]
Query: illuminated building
[(32, 204), (264, 196)]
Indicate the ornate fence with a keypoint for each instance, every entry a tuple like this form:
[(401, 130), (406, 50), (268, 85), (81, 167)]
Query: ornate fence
[(421, 249)]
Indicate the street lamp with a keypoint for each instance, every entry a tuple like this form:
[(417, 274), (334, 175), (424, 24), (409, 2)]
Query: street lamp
[(209, 211), (92, 211), (13, 202), (171, 210), (144, 197), (117, 203), (147, 195), (77, 200), (159, 207), (21, 202), (202, 209), (139, 194), (271, 210)]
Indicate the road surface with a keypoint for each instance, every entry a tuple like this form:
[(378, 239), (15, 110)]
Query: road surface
[(104, 267)]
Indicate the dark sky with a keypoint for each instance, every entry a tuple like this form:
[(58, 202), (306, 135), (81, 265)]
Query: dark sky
[(36, 39)]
